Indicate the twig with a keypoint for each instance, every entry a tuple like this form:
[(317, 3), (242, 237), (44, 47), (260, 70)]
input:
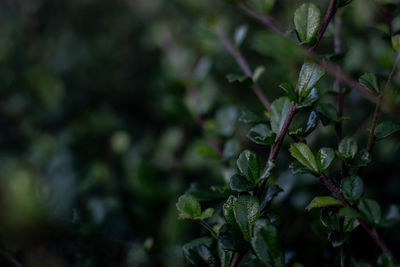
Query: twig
[(372, 232), (278, 143), (243, 65), (328, 17), (332, 69), (378, 106)]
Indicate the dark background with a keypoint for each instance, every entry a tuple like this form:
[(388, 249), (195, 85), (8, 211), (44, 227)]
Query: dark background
[(101, 108)]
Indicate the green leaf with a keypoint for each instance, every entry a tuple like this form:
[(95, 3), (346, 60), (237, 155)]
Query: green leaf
[(312, 123), (353, 187), (361, 159), (225, 257), (330, 220), (199, 252), (309, 100), (279, 110), (240, 35), (208, 213), (327, 113), (267, 171), (246, 210), (349, 213), (268, 196), (307, 21), (349, 224), (396, 42), (303, 154), (320, 202), (309, 75), (298, 169), (227, 211), (347, 148), (248, 165), (385, 129), (188, 207), (231, 149), (391, 217), (266, 244), (289, 89), (324, 158), (258, 72), (371, 210), (239, 78), (262, 135), (249, 116), (231, 238), (370, 81), (240, 184)]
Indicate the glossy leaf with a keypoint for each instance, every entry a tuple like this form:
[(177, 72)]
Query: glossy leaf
[(309, 100), (307, 21), (309, 75), (262, 135), (268, 196), (385, 129), (303, 154), (227, 211), (289, 89), (361, 159), (240, 184), (325, 201), (371, 210), (266, 244), (312, 123), (324, 158), (188, 207), (267, 171), (246, 210), (199, 252), (248, 165), (347, 148), (231, 238), (353, 187), (208, 213), (370, 81), (279, 110), (327, 113), (297, 168)]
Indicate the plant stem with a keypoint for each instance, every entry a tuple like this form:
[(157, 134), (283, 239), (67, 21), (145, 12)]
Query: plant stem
[(328, 17), (372, 232), (278, 143), (332, 69), (209, 228), (243, 65), (338, 127), (378, 106)]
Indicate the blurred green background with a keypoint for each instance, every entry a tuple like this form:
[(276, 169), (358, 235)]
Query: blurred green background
[(106, 113)]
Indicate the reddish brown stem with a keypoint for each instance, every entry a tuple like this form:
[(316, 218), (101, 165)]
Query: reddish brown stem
[(243, 65), (372, 232), (328, 17)]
